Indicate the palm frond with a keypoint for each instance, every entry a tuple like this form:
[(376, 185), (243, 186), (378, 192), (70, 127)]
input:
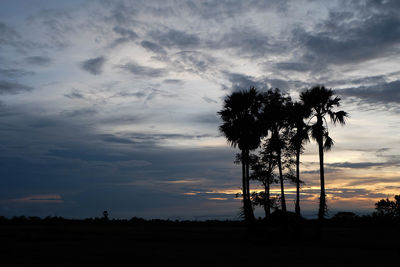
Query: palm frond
[(328, 144)]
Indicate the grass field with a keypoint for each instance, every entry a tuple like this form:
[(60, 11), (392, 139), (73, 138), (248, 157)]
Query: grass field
[(194, 243)]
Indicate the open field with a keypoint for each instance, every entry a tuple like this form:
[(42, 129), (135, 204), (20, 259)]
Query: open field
[(128, 244)]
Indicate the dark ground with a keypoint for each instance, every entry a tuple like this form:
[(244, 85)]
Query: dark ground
[(137, 243)]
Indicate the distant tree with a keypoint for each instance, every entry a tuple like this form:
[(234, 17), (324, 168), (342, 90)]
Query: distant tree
[(388, 208), (263, 167), (105, 215), (240, 116), (345, 215), (320, 103)]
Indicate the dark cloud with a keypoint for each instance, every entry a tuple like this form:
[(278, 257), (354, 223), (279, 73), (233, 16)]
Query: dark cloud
[(359, 181), (75, 94), (70, 161), (79, 112), (13, 88), (8, 36), (175, 38), (242, 82), (159, 138), (115, 139), (120, 13), (56, 24), (294, 66), (15, 73), (220, 11), (193, 61), (379, 93), (209, 100), (173, 81), (344, 39), (138, 94), (94, 65), (248, 42), (209, 118), (357, 165), (153, 47), (38, 60), (124, 119), (126, 35), (143, 71)]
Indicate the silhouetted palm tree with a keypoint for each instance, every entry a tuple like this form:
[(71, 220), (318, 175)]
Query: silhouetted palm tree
[(299, 130), (321, 102), (240, 116), (274, 119)]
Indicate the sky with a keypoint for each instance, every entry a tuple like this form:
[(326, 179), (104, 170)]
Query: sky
[(112, 105)]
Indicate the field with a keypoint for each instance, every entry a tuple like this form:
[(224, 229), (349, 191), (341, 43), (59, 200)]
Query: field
[(114, 243)]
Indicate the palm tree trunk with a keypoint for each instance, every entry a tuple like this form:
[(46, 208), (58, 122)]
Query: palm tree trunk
[(283, 201), (322, 200), (247, 207), (267, 204), (297, 208), (248, 175), (244, 184)]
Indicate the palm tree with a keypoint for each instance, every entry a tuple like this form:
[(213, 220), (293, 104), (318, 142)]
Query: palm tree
[(321, 102), (240, 116), (274, 119), (298, 138)]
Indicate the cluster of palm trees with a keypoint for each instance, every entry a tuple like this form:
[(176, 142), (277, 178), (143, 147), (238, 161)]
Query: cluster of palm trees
[(278, 128)]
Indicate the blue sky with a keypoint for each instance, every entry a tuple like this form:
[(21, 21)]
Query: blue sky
[(112, 105)]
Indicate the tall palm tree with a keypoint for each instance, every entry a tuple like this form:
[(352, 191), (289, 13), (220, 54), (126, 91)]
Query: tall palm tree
[(274, 119), (240, 116), (298, 138), (321, 102)]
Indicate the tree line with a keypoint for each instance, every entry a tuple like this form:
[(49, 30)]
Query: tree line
[(275, 126)]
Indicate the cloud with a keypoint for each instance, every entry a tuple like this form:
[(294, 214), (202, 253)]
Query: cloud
[(197, 62), (294, 66), (115, 139), (15, 73), (173, 81), (74, 94), (38, 60), (378, 93), (126, 35), (12, 88), (175, 38), (79, 112), (8, 36), (241, 81), (153, 47), (345, 38), (143, 71), (248, 41), (94, 65), (209, 100), (357, 165)]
